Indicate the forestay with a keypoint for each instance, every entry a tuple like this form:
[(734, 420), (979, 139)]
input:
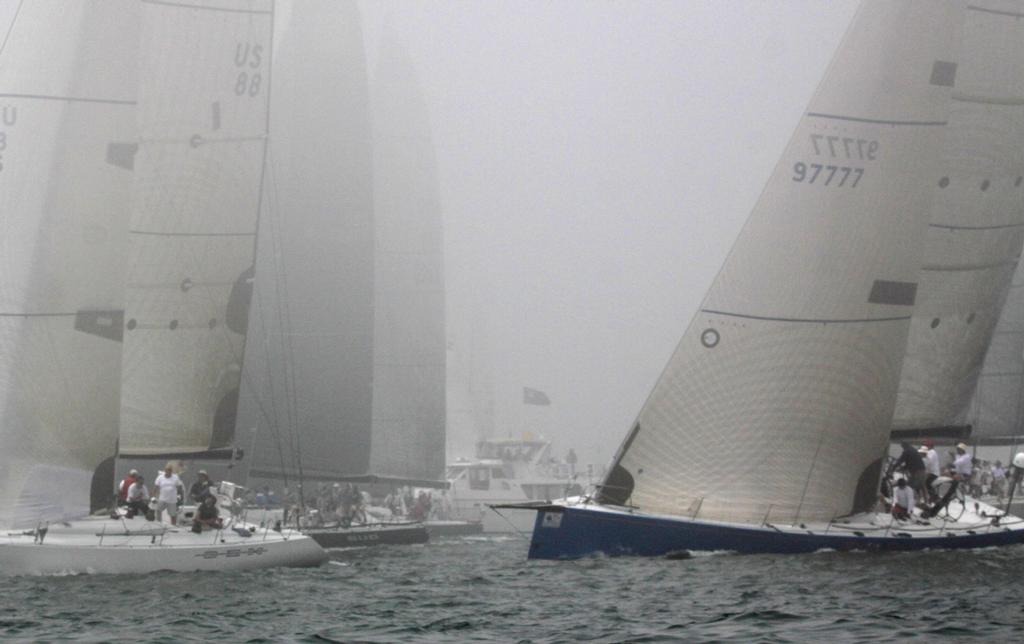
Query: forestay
[(202, 115), (776, 404), (67, 93), (977, 223)]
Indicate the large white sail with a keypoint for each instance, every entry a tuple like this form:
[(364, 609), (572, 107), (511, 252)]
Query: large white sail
[(997, 410), (67, 93), (311, 367), (977, 223), (202, 115), (408, 436), (776, 404)]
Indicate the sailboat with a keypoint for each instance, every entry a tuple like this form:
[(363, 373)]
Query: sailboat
[(768, 429), (135, 154)]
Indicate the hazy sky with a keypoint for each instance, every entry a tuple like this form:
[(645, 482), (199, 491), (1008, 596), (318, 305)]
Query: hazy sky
[(596, 161)]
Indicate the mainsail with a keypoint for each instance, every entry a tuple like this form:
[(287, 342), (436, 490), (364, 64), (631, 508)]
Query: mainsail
[(311, 367), (776, 404), (202, 120), (409, 355), (997, 410), (977, 224), (67, 94)]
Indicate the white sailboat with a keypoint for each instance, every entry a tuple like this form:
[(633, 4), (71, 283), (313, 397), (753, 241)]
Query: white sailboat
[(165, 171), (768, 428)]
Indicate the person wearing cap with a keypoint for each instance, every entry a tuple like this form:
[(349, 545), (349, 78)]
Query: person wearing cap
[(963, 465), (902, 500), (201, 488), (207, 515), (126, 482), (137, 498)]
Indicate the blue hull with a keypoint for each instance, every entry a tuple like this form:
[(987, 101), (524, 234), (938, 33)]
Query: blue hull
[(573, 532)]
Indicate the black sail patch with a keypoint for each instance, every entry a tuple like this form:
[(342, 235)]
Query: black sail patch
[(237, 314), (105, 324), (898, 293)]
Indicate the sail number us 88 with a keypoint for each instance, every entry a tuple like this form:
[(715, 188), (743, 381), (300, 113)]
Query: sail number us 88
[(842, 173), (249, 61)]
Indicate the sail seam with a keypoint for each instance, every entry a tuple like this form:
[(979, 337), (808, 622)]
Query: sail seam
[(71, 99), (993, 227), (56, 314), (964, 268), (806, 320), (997, 12), (174, 234), (989, 100), (186, 5), (841, 117)]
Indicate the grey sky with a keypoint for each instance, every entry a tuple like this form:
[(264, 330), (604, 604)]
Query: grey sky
[(596, 161)]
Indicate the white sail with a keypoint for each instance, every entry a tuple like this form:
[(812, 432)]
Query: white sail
[(67, 93), (997, 410), (776, 404), (202, 118), (408, 436), (312, 364), (977, 223)]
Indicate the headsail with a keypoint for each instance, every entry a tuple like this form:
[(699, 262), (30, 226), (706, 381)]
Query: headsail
[(977, 224), (776, 404), (202, 105), (67, 94)]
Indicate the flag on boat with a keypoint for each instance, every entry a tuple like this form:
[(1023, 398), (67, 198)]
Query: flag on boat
[(535, 397)]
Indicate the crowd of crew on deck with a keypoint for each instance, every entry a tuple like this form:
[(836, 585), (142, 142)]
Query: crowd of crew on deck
[(917, 470)]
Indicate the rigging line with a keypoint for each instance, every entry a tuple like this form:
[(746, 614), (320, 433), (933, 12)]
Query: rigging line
[(857, 119), (274, 423), (288, 349), (7, 36), (806, 320)]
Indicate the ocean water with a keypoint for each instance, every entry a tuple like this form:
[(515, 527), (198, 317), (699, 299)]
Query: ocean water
[(482, 589)]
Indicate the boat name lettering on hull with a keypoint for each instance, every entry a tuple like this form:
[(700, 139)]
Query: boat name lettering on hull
[(232, 553)]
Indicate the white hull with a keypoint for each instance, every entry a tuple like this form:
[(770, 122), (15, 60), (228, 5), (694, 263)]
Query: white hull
[(104, 547)]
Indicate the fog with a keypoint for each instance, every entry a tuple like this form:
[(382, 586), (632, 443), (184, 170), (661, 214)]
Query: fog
[(595, 162)]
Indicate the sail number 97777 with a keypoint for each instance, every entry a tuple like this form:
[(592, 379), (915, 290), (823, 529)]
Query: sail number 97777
[(829, 175)]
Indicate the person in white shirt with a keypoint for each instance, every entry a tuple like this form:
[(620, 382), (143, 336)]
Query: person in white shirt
[(902, 500), (962, 464), (931, 465), (138, 498), (998, 480), (166, 487)]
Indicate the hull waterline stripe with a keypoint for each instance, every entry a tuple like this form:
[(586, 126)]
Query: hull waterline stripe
[(857, 119), (70, 99), (805, 320), (186, 5)]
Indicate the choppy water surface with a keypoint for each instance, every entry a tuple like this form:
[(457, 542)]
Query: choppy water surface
[(483, 589)]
